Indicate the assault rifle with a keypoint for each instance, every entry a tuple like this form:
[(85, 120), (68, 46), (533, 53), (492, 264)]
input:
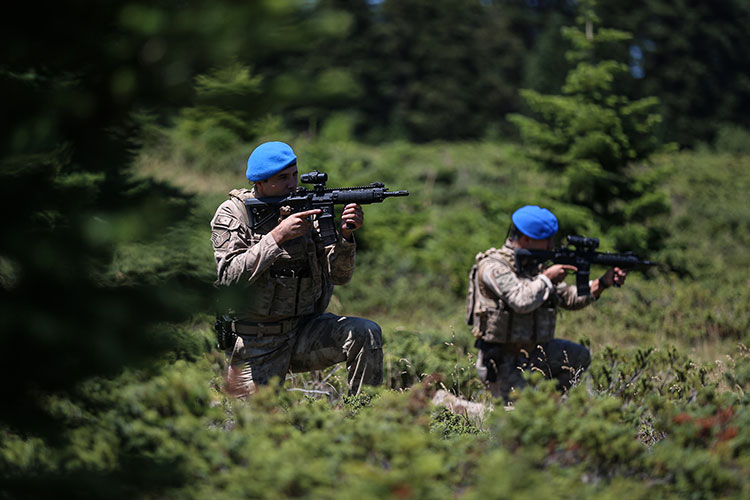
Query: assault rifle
[(581, 252), (262, 210)]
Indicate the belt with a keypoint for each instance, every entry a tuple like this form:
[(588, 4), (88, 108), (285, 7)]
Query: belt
[(286, 272), (261, 329)]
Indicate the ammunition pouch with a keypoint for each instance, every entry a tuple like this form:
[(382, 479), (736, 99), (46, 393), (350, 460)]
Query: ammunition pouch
[(227, 329), (225, 337)]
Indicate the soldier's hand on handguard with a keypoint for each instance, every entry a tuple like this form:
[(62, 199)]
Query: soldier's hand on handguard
[(557, 272), (294, 226), (614, 276), (352, 219)]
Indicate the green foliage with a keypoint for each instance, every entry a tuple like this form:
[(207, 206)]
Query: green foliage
[(70, 212), (282, 444), (645, 420), (68, 314), (732, 139), (690, 56), (448, 423), (423, 70), (591, 134), (545, 67), (112, 386), (208, 134)]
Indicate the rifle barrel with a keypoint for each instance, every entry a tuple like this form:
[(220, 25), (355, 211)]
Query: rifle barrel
[(608, 259)]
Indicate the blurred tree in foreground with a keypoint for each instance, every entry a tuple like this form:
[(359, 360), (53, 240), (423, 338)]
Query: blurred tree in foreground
[(76, 81), (63, 160), (593, 135), (73, 80)]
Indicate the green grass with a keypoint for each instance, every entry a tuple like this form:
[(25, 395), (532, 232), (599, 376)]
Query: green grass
[(662, 413), (415, 252)]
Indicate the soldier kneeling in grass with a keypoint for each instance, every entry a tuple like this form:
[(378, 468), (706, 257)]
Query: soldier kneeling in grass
[(285, 275), (513, 310)]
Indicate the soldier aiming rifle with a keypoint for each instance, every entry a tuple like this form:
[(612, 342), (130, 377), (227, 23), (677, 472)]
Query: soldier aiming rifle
[(513, 300), (279, 247)]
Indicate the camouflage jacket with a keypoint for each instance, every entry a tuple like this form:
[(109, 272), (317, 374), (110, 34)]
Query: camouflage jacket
[(508, 305), (279, 282)]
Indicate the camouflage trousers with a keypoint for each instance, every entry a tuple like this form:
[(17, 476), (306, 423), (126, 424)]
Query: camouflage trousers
[(501, 367), (317, 343)]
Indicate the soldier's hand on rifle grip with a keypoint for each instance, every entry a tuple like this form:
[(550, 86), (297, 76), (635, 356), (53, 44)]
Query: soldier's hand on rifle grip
[(352, 219), (294, 226), (558, 272)]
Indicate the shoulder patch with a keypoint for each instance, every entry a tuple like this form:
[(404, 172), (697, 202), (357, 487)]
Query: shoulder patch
[(218, 238), (225, 222), (493, 268), (496, 272)]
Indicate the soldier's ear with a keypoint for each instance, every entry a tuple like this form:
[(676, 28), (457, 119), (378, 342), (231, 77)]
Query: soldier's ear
[(260, 186)]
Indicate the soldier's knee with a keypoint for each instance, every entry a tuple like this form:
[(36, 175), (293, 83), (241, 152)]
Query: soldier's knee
[(582, 358), (366, 334), (376, 332), (364, 353), (574, 355)]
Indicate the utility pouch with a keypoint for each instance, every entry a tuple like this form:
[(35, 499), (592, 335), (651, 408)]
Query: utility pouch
[(225, 337)]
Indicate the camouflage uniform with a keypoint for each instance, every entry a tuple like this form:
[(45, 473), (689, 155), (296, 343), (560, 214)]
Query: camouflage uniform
[(282, 327), (513, 314)]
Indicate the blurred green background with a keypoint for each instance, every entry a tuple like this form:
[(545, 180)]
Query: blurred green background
[(124, 124)]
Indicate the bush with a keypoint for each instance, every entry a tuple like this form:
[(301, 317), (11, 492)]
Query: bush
[(732, 139)]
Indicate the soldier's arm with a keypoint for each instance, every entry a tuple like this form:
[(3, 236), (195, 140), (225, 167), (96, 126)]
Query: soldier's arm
[(522, 295), (569, 293), (569, 298), (340, 259), (240, 256)]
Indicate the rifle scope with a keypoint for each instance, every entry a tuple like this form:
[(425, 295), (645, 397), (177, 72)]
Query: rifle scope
[(314, 177), (583, 242)]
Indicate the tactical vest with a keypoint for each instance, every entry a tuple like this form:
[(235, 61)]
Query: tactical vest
[(295, 284), (493, 321)]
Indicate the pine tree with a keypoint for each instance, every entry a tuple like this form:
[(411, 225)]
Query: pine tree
[(593, 135), (692, 55), (426, 69)]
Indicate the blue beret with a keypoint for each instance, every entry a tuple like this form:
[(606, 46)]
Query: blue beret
[(535, 222), (269, 159)]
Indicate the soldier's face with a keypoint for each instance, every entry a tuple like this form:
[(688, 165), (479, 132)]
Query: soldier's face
[(282, 184), (532, 244)]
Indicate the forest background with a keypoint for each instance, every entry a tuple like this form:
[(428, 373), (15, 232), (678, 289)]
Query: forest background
[(125, 123)]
